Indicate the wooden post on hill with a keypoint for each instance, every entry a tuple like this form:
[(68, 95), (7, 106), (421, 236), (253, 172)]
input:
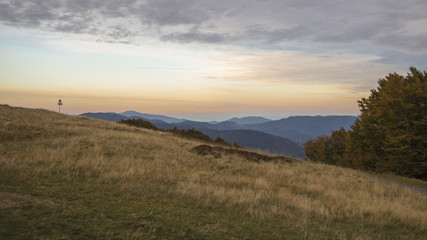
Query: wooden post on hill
[(59, 105)]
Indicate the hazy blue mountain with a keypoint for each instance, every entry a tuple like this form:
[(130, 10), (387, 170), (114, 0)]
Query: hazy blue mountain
[(156, 121), (302, 128), (112, 117), (133, 114), (226, 125), (259, 141), (187, 124), (249, 120)]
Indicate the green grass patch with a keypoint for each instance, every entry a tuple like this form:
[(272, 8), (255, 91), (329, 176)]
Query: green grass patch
[(56, 208)]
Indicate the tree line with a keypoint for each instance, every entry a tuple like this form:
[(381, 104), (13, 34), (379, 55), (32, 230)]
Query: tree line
[(390, 134)]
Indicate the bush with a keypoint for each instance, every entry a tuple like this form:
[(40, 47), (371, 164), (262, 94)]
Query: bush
[(139, 123)]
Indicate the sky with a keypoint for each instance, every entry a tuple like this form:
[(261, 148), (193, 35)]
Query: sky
[(205, 59)]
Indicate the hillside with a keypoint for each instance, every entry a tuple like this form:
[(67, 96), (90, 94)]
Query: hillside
[(66, 177), (111, 117)]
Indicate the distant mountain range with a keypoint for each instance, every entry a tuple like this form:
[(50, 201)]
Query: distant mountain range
[(133, 114), (249, 120), (284, 136)]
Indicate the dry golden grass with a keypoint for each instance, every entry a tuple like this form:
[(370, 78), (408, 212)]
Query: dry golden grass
[(312, 200)]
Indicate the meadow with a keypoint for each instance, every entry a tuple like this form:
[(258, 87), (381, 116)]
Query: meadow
[(67, 177)]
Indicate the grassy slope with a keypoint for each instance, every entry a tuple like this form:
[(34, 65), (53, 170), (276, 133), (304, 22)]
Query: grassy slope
[(64, 177)]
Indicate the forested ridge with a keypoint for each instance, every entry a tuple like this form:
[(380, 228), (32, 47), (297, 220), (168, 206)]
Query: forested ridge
[(390, 134)]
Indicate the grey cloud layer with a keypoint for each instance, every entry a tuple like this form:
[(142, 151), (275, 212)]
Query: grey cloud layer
[(397, 25)]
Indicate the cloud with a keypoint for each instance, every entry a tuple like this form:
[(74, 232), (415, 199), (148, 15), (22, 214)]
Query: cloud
[(195, 36), (380, 22), (353, 72), (103, 19), (179, 12), (392, 30)]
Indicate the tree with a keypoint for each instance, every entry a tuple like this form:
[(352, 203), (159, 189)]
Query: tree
[(337, 144), (327, 149), (391, 132)]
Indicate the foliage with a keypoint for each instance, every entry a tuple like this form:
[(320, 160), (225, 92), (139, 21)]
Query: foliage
[(220, 140), (390, 134), (139, 123), (327, 149), (191, 133)]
